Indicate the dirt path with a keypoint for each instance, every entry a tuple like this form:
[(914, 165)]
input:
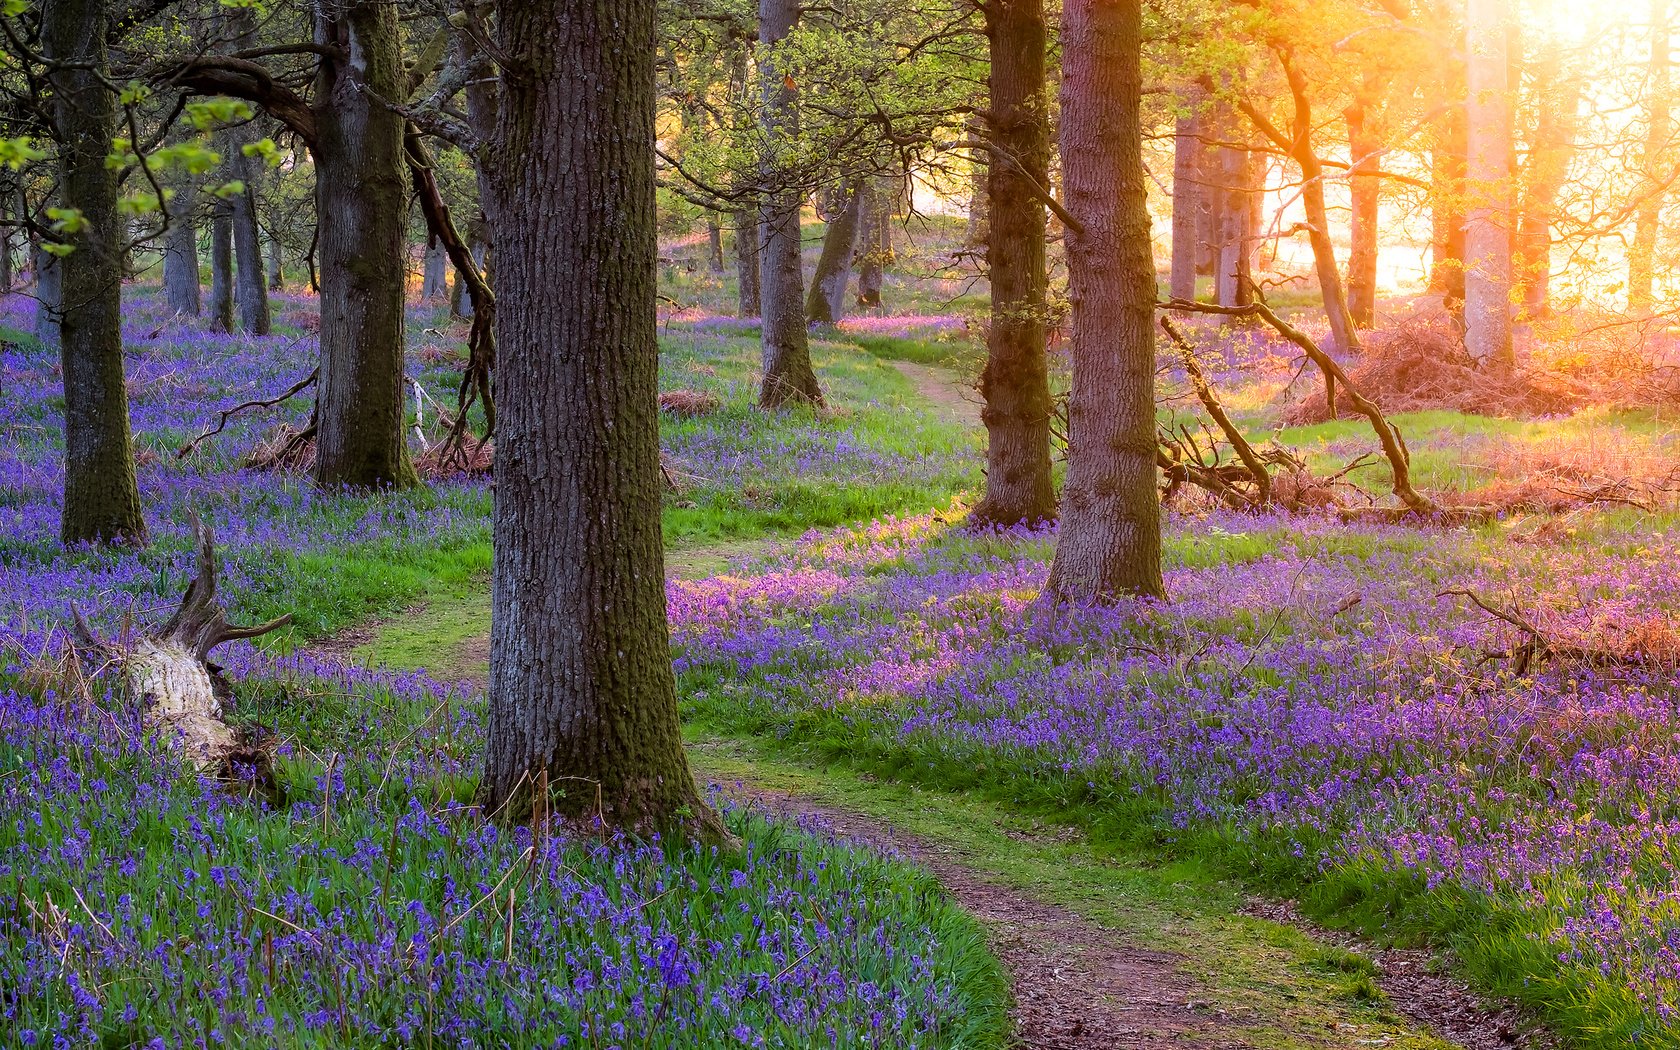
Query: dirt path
[(953, 399), (1076, 985)]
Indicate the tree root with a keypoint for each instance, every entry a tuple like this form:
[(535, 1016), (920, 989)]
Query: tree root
[(183, 694)]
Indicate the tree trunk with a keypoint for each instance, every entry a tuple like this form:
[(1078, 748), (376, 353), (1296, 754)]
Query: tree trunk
[(434, 283), (747, 252), (49, 294), (1659, 137), (1487, 243), (1549, 155), (221, 267), (826, 304), (1189, 197), (1364, 142), (250, 287), (101, 496), (875, 242), (1110, 542), (276, 266), (788, 375), (714, 244), (582, 694), (1015, 384), (1236, 232), (361, 195), (181, 286)]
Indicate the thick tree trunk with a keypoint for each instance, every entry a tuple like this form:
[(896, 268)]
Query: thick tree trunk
[(1015, 384), (747, 253), (582, 694), (221, 267), (875, 242), (788, 375), (1659, 138), (101, 496), (1238, 227), (181, 287), (1189, 198), (1110, 542), (1487, 244), (361, 194), (1364, 143), (49, 294), (434, 282), (826, 304), (1446, 175)]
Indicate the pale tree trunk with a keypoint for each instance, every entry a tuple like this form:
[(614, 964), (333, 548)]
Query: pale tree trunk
[(434, 282), (1110, 541), (101, 495), (361, 196), (1015, 384), (1189, 196), (788, 375), (747, 252), (1549, 155), (582, 696), (1487, 243), (1659, 137), (49, 294), (1446, 165), (181, 286), (221, 267), (875, 241), (826, 304), (276, 268), (1365, 142), (1237, 231)]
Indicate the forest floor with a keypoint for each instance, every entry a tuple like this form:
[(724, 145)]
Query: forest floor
[(1105, 947)]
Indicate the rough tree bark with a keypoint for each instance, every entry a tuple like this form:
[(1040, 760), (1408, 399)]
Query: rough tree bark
[(250, 283), (221, 267), (1015, 385), (788, 375), (361, 193), (1487, 242), (747, 251), (276, 267), (826, 303), (1237, 226), (101, 496), (1659, 137), (714, 244), (581, 691), (1189, 197), (1110, 541)]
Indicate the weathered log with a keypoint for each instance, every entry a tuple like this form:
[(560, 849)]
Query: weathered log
[(183, 694)]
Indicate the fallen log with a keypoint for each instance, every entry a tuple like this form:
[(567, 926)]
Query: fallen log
[(183, 695)]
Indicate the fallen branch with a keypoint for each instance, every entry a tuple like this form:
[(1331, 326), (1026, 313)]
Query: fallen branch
[(227, 414)]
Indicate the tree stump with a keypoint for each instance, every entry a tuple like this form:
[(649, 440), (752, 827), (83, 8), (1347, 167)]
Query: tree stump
[(183, 694)]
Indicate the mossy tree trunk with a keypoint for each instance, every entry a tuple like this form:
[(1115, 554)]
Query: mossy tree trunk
[(101, 496), (361, 196), (826, 304), (582, 697), (1015, 384), (221, 266), (1110, 541), (747, 251)]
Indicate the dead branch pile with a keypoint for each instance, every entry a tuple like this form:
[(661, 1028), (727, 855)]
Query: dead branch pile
[(287, 450), (474, 459), (688, 404), (1602, 641)]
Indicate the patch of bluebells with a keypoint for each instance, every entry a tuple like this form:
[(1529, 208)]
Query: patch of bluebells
[(362, 900), (1306, 689)]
